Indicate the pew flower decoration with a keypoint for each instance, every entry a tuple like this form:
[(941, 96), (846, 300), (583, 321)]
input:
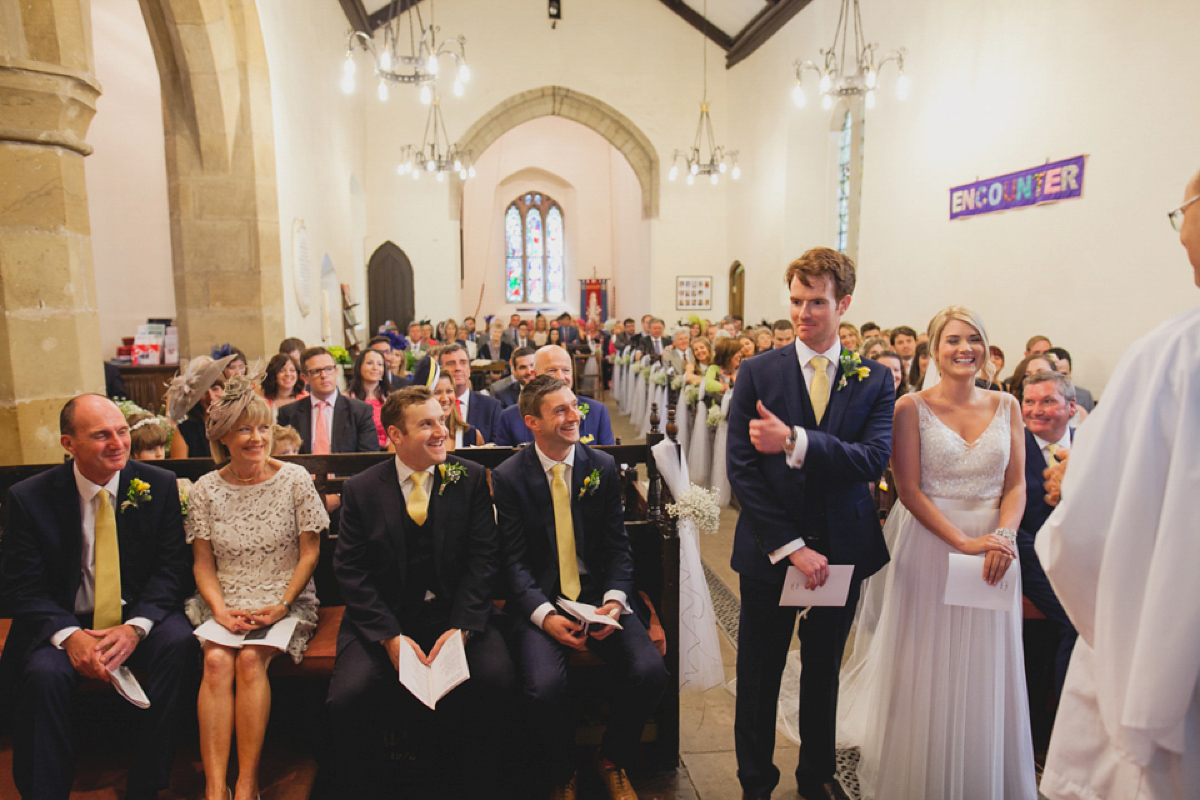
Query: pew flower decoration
[(659, 379), (583, 409), (700, 506), (590, 484), (852, 366), (691, 394), (677, 383), (139, 492), (715, 417), (450, 474), (587, 439)]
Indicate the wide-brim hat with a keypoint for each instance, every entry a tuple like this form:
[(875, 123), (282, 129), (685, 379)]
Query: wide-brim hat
[(187, 387)]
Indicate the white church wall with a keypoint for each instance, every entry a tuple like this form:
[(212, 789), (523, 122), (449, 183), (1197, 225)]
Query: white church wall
[(127, 178), (995, 89)]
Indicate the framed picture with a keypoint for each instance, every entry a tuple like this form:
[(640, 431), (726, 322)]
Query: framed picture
[(693, 292)]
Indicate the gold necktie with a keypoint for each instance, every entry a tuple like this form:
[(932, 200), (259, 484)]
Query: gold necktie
[(107, 608), (418, 498), (818, 393), (564, 533)]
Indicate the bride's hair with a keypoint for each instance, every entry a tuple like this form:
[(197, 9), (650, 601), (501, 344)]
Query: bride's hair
[(962, 314)]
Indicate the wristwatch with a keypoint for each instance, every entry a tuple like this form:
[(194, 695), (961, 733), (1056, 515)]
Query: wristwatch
[(789, 444)]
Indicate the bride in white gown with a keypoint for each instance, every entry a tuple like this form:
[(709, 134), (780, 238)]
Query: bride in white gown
[(936, 697)]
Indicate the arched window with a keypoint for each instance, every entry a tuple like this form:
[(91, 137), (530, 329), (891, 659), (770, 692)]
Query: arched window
[(846, 140), (534, 264), (843, 184)]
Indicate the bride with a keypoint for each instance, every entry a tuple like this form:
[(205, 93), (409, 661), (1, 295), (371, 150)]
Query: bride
[(935, 694)]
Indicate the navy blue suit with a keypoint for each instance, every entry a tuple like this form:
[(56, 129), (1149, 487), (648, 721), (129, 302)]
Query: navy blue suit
[(525, 511), (1034, 583), (40, 578), (483, 412), (828, 503), (353, 429), (511, 429)]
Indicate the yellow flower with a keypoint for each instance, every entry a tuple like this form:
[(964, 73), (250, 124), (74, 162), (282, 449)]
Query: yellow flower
[(863, 373), (138, 485), (587, 439)]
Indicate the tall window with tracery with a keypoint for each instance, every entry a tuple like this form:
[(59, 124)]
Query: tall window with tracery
[(843, 185), (534, 268)]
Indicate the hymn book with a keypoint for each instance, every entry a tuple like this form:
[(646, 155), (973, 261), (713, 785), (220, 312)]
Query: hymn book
[(431, 682)]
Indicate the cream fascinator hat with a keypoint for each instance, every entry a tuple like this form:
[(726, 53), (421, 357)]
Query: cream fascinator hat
[(186, 388)]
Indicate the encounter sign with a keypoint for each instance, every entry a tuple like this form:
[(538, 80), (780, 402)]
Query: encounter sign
[(1030, 187)]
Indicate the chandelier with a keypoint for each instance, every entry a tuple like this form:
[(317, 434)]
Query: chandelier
[(435, 154), (420, 67), (835, 80), (717, 159)]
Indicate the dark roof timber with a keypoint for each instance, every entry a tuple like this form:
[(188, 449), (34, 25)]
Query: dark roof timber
[(765, 25), (692, 17), (356, 15)]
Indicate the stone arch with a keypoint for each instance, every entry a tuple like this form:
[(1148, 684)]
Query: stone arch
[(559, 101)]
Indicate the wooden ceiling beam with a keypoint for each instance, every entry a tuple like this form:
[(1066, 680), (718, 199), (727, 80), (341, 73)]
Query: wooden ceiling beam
[(391, 10), (765, 25), (694, 18), (356, 15)]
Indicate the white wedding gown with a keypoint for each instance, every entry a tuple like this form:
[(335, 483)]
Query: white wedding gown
[(935, 694)]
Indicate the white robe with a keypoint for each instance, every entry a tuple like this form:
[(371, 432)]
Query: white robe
[(1122, 551)]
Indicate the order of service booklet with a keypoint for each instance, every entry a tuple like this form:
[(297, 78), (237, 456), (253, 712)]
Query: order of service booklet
[(277, 635), (586, 613), (430, 683)]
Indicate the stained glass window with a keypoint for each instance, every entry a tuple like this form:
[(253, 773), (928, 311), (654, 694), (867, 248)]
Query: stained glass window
[(534, 253), (843, 186)]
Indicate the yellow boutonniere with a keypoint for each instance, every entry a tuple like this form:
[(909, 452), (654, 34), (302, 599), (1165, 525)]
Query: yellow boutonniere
[(587, 439), (852, 366), (139, 491)]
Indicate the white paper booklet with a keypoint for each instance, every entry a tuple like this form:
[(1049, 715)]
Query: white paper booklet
[(277, 635), (834, 592), (965, 585), (586, 613), (128, 687), (431, 683)]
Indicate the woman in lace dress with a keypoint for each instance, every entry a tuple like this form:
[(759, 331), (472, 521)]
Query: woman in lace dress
[(253, 525), (935, 694)]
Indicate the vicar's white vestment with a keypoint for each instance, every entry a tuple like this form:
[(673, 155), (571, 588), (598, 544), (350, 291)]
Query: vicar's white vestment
[(1122, 552)]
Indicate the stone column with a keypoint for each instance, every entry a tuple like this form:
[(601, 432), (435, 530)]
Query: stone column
[(49, 329)]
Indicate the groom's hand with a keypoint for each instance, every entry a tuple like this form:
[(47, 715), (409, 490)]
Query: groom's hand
[(814, 566), (769, 432)]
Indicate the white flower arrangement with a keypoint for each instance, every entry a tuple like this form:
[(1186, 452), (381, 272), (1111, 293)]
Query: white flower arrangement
[(715, 417), (659, 379), (691, 395), (677, 382), (700, 506)]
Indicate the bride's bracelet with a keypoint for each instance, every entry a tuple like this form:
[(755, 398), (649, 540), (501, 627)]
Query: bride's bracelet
[(1007, 533)]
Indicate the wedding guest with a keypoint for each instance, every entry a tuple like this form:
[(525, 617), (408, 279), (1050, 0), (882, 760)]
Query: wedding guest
[(473, 407), (583, 489), (292, 347), (521, 365), (1037, 345), (567, 330), (254, 526), (367, 384), (595, 427), (555, 337), (697, 328), (727, 357), (679, 353), (541, 331), (891, 360), (328, 421), (868, 330), (749, 348), (285, 441), (1062, 361), (784, 333), (1026, 366), (149, 436), (764, 339), (460, 433), (996, 356), (393, 360), (626, 336), (959, 464), (281, 383), (469, 329), (450, 332), (427, 336), (189, 395), (510, 333), (497, 347), (873, 346), (236, 365), (523, 339), (695, 369), (654, 342), (849, 336), (94, 574), (904, 342), (918, 365)]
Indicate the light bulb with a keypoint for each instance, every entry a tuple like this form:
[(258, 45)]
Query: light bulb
[(441, 177), (798, 96), (462, 174), (674, 173), (471, 171), (826, 82), (458, 89), (723, 165), (827, 102), (430, 164), (871, 99), (348, 66), (695, 168), (737, 172), (871, 78), (433, 64), (385, 61), (715, 178), (399, 169), (383, 90), (426, 95), (464, 72), (348, 83), (458, 165), (902, 86), (691, 179), (416, 173)]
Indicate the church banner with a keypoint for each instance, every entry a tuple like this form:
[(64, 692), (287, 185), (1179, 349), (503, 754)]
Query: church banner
[(1029, 187), (593, 301)]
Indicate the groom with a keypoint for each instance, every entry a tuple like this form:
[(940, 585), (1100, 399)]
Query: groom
[(808, 430)]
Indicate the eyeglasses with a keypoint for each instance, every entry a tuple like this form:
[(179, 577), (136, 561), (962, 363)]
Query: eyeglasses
[(1176, 216), (312, 373)]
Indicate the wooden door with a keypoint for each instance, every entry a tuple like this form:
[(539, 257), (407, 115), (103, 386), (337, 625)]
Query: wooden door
[(389, 288), (737, 289)]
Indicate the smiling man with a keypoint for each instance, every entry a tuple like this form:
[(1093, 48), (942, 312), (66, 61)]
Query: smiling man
[(417, 561), (474, 408), (95, 573), (552, 360)]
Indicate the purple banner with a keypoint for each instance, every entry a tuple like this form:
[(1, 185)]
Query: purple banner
[(1029, 187)]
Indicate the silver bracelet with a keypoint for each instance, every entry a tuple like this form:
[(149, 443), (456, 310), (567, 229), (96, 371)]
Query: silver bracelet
[(1007, 533)]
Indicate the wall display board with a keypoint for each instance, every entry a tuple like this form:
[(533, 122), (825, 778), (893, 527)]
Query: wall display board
[(1048, 183), (693, 292)]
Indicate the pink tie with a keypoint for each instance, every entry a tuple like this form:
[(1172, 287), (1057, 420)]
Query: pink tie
[(321, 434)]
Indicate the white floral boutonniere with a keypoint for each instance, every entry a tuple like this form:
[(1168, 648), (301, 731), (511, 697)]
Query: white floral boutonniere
[(139, 492), (590, 484), (450, 474), (583, 409), (852, 366)]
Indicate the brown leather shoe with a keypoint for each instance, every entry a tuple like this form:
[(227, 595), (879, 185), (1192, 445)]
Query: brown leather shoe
[(566, 791), (615, 781)]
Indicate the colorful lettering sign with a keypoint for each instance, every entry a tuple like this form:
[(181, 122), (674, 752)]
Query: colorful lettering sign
[(1030, 187)]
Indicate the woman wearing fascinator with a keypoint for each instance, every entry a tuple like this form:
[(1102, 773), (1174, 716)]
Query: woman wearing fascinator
[(254, 526), (189, 395)]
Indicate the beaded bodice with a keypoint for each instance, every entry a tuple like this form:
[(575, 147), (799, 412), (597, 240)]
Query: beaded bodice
[(955, 469)]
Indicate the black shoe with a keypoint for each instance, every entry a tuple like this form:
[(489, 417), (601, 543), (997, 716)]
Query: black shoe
[(748, 796), (829, 790)]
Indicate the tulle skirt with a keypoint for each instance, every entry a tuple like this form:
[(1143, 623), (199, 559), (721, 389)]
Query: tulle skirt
[(935, 694)]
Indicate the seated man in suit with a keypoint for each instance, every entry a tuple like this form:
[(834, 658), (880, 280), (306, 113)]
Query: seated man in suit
[(595, 428), (1047, 404), (655, 344), (626, 335), (680, 352), (474, 408), (567, 328), (95, 573), (327, 420), (418, 560), (522, 372), (561, 521)]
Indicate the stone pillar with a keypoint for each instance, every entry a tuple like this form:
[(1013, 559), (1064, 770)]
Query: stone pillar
[(49, 328)]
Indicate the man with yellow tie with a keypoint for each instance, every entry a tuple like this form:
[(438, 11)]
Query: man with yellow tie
[(418, 560), (810, 426), (561, 519), (95, 572)]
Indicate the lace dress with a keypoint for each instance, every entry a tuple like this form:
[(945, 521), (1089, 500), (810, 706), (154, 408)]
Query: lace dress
[(935, 694), (255, 534)]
